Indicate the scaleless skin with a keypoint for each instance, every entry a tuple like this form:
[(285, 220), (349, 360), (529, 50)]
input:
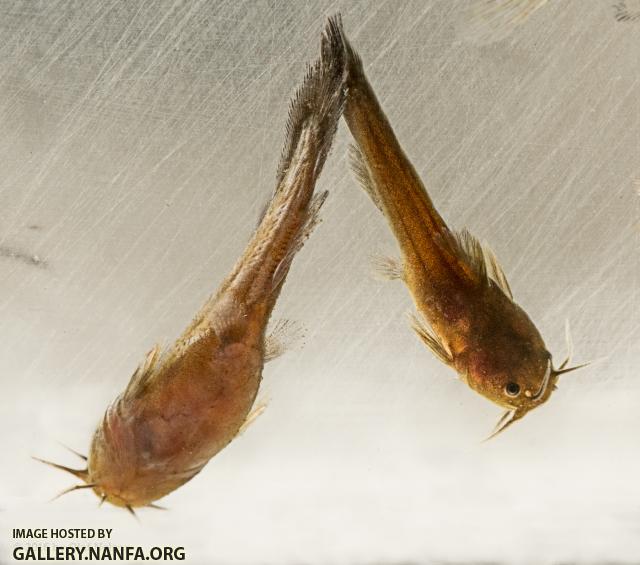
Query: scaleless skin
[(183, 405), (473, 324)]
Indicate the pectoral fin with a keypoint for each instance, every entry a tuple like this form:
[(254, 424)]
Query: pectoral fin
[(285, 334), (145, 372), (257, 411), (431, 340)]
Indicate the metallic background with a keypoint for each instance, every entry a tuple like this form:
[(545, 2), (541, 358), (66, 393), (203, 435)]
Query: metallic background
[(139, 142)]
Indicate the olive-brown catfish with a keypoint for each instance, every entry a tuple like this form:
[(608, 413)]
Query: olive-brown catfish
[(469, 318), (186, 403)]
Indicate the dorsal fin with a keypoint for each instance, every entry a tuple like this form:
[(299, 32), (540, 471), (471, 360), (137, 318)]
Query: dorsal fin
[(483, 261), (144, 373)]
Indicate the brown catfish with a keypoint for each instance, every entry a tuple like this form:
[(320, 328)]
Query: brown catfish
[(186, 403), (469, 318)]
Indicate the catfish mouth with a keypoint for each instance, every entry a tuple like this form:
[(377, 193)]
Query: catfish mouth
[(545, 383), (84, 475), (530, 401), (547, 386)]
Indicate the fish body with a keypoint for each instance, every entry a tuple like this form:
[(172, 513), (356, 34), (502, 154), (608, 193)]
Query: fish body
[(186, 403), (458, 287)]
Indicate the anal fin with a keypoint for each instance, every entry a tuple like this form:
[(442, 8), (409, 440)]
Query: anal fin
[(312, 221), (361, 172), (388, 268)]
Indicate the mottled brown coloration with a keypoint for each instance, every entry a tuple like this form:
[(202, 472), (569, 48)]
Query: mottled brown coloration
[(183, 405), (472, 322)]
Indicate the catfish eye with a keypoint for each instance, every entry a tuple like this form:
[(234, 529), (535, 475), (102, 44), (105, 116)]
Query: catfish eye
[(512, 389)]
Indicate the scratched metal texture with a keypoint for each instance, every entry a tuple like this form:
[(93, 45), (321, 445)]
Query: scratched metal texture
[(139, 143)]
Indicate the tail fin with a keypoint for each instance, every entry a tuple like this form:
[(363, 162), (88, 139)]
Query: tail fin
[(314, 113), (353, 67), (292, 213), (318, 102)]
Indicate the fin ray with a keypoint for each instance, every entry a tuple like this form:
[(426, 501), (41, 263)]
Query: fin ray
[(361, 172), (319, 99), (388, 268), (431, 340), (145, 372), (312, 221), (255, 413), (482, 261), (73, 488), (284, 335)]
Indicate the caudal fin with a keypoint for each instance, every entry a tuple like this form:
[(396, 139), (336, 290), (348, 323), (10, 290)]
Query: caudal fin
[(317, 105), (292, 213)]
